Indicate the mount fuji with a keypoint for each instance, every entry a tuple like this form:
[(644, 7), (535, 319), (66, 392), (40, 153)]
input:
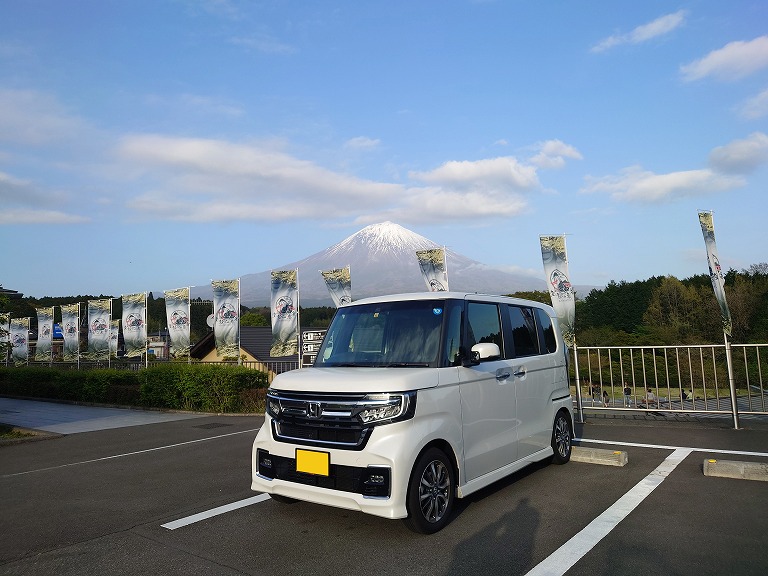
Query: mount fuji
[(382, 260)]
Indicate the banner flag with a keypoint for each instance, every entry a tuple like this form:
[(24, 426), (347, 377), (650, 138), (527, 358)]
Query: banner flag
[(177, 313), (555, 259), (20, 340), (5, 334), (114, 335), (285, 313), (44, 346), (434, 269), (70, 326), (99, 312), (226, 317), (135, 324), (715, 271), (339, 284)]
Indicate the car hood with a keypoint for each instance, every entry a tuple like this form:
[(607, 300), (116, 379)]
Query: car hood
[(360, 380)]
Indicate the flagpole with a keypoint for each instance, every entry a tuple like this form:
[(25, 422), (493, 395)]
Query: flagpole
[(146, 330), (189, 326), (109, 336), (239, 350), (78, 335), (298, 323)]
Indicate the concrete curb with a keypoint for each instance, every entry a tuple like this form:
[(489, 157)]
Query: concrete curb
[(599, 456), (736, 469)]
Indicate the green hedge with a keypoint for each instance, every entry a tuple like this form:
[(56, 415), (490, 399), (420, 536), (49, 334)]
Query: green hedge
[(206, 388)]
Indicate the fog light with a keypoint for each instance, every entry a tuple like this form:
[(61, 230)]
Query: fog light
[(376, 482), (264, 462)]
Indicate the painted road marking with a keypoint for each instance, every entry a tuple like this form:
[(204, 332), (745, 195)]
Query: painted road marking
[(129, 453), (214, 512), (562, 559), (676, 449), (663, 447)]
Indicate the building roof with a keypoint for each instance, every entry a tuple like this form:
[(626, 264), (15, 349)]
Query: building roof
[(255, 340)]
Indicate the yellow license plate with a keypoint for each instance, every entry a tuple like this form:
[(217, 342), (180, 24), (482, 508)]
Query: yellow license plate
[(312, 462)]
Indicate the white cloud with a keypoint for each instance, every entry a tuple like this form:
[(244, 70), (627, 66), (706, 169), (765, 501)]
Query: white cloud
[(437, 204), (741, 156), (21, 202), (659, 27), (196, 104), (30, 216), (362, 143), (33, 118), (732, 62), (634, 184), (755, 107), (212, 180), (495, 173), (265, 44), (552, 154)]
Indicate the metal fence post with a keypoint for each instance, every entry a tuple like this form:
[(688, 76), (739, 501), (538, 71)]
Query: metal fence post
[(731, 381), (579, 406)]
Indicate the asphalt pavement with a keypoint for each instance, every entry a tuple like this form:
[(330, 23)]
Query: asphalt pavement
[(61, 418)]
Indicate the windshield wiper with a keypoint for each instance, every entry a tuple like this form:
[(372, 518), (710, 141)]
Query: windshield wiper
[(406, 365)]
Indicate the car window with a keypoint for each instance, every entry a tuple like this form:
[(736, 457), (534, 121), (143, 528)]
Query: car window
[(484, 325), (524, 337), (548, 330)]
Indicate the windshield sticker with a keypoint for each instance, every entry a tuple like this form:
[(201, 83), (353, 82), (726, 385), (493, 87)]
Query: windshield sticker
[(437, 311)]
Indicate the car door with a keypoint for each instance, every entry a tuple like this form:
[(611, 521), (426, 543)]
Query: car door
[(488, 406), (532, 373)]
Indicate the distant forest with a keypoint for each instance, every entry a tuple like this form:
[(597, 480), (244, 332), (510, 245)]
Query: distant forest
[(659, 311), (666, 311)]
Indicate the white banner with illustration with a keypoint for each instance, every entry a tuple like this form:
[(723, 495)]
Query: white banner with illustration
[(561, 292), (715, 270), (114, 336), (20, 340), (226, 317), (135, 324), (70, 328), (44, 346), (99, 317), (5, 334), (285, 313), (339, 284), (434, 269), (177, 313)]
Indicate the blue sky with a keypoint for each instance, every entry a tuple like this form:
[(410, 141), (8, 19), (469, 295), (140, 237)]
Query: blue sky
[(150, 144)]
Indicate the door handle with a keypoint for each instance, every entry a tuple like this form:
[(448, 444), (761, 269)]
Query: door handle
[(520, 372), (502, 375)]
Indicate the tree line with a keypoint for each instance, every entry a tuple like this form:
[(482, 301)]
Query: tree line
[(659, 311)]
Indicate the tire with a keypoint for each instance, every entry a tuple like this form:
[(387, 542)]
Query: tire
[(283, 499), (562, 438), (431, 493)]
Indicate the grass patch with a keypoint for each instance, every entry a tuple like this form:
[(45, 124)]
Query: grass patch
[(11, 432)]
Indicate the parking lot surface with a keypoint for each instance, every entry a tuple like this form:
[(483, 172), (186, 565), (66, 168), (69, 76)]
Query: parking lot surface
[(173, 497)]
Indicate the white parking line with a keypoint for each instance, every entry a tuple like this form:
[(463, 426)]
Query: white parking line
[(214, 512), (128, 453), (607, 520), (663, 447), (562, 559)]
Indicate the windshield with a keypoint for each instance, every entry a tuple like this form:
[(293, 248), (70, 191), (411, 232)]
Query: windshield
[(398, 334)]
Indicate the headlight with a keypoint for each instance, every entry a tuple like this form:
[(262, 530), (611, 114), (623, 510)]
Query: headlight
[(381, 408), (273, 405)]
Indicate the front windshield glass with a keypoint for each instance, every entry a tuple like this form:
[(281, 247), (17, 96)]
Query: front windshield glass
[(398, 334)]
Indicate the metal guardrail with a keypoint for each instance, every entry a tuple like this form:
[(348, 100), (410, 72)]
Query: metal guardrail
[(690, 379)]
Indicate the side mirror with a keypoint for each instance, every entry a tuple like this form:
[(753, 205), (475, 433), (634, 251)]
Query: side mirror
[(484, 351)]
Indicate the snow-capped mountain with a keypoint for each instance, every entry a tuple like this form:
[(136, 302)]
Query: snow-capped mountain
[(382, 260)]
